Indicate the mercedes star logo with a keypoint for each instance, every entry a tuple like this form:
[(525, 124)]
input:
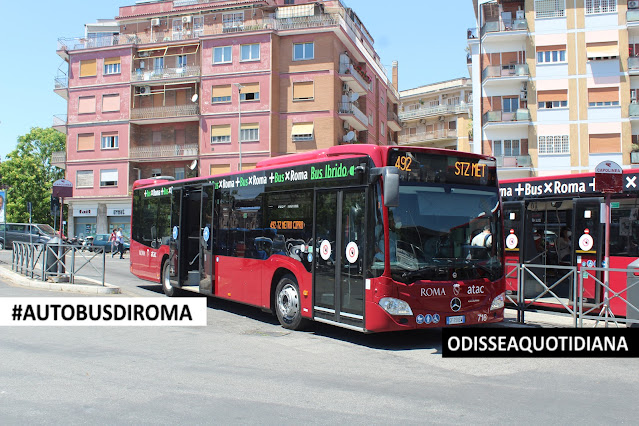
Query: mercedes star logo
[(455, 304)]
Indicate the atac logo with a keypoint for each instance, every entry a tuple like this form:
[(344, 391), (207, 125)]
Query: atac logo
[(433, 291)]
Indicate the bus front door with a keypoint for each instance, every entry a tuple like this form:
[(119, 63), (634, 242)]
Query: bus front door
[(207, 264), (175, 245), (587, 239), (338, 280)]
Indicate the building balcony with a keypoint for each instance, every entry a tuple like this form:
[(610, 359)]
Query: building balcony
[(60, 123), (632, 17), (155, 153), (507, 119), (471, 33), (516, 161), (349, 112), (633, 111), (633, 66), (434, 136), (349, 75), (517, 29), (166, 112), (166, 73), (425, 112), (59, 159), (498, 74), (62, 86), (393, 121)]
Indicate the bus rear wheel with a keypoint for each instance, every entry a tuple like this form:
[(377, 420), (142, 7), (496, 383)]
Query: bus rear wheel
[(168, 288), (287, 303)]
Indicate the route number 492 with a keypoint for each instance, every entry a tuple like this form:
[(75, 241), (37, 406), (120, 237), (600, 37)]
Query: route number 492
[(403, 163), (482, 317)]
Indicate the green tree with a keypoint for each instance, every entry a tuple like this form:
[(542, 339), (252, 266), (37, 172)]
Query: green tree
[(28, 175)]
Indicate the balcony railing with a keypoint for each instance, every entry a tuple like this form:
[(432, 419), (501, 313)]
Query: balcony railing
[(514, 161), (59, 158), (162, 151), (350, 69), (59, 120), (428, 136), (61, 83), (633, 64), (352, 108), (632, 15), (510, 70), (162, 73), (633, 110), (392, 116), (164, 112), (522, 114), (501, 26), (434, 111), (471, 33)]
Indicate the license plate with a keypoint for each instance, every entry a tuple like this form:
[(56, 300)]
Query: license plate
[(459, 319)]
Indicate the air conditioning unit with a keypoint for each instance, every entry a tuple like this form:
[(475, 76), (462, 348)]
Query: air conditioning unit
[(442, 118), (145, 90), (186, 19), (633, 4), (155, 22), (143, 54), (523, 96), (520, 14)]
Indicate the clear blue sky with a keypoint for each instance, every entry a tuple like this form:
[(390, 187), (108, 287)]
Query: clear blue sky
[(426, 37)]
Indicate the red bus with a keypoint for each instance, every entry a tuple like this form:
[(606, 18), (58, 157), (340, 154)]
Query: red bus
[(364, 237), (537, 211)]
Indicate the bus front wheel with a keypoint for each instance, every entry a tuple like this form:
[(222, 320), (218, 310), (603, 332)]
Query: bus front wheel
[(169, 290), (288, 304)]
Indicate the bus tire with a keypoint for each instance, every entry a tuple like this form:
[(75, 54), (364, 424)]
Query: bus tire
[(288, 306), (169, 290)]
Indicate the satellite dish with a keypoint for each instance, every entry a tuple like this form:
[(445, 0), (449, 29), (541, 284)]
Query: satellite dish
[(193, 165), (349, 136), (354, 96), (194, 98)]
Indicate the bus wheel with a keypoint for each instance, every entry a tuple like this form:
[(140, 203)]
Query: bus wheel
[(169, 290), (288, 306)]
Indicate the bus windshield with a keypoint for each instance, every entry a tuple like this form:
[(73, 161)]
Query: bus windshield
[(442, 231)]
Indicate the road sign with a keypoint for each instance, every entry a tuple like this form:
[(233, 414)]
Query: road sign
[(62, 188), (608, 177)]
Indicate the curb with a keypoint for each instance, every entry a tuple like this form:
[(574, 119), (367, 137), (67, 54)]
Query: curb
[(23, 281)]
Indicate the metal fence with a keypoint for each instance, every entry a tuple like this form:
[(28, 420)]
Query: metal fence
[(59, 262)]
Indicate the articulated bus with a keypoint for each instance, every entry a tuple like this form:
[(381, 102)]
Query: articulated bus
[(536, 213), (365, 237)]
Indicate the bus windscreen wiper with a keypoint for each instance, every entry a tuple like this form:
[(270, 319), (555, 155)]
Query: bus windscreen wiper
[(426, 269)]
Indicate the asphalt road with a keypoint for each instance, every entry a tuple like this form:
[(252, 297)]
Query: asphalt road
[(244, 368)]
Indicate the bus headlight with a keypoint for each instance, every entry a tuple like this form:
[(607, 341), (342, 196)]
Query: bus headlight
[(498, 302), (395, 306)]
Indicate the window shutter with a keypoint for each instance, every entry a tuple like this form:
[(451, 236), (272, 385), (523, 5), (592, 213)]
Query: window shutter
[(250, 126), (221, 130), (221, 91), (605, 143), (303, 90), (110, 103), (86, 142), (552, 95), (603, 94), (217, 169), (88, 68), (302, 129), (112, 61), (250, 88), (86, 105)]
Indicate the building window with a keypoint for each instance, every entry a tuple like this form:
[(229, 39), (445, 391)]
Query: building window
[(289, 1), (250, 132), (553, 144), (86, 105), (551, 56), (221, 133), (510, 104), (158, 64), (452, 125), (111, 103), (433, 103), (600, 6), (156, 172), (302, 132), (222, 55), (381, 128), (179, 173), (84, 179), (250, 52), (250, 92), (232, 21), (603, 97), (112, 66), (303, 91), (88, 68), (181, 61), (109, 140), (303, 51), (552, 104), (506, 148), (221, 94), (550, 8), (109, 177), (453, 100)]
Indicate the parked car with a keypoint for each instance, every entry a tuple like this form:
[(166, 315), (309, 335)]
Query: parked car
[(102, 240), (24, 232)]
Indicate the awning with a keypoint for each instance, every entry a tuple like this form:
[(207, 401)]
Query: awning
[(302, 129), (602, 50), (295, 11)]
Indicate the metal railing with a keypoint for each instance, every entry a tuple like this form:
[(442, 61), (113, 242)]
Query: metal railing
[(522, 114), (515, 161), (58, 157), (163, 73), (633, 110), (164, 111), (141, 152), (632, 15), (507, 70), (428, 136), (633, 64), (433, 111), (58, 262), (471, 33), (350, 69), (351, 108), (61, 82), (502, 26), (392, 116), (601, 311)]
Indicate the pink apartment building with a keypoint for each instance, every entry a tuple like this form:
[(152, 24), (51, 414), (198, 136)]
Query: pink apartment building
[(189, 87)]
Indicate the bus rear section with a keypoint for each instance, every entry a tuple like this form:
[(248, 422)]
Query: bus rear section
[(315, 237)]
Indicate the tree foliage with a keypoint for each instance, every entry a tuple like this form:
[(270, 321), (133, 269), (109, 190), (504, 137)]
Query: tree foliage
[(28, 175)]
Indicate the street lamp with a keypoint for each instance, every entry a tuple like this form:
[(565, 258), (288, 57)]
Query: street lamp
[(239, 120)]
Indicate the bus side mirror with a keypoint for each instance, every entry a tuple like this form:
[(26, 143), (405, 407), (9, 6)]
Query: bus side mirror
[(390, 177)]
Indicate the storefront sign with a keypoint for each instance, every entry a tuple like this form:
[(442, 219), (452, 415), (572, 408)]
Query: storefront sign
[(119, 211), (85, 211)]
